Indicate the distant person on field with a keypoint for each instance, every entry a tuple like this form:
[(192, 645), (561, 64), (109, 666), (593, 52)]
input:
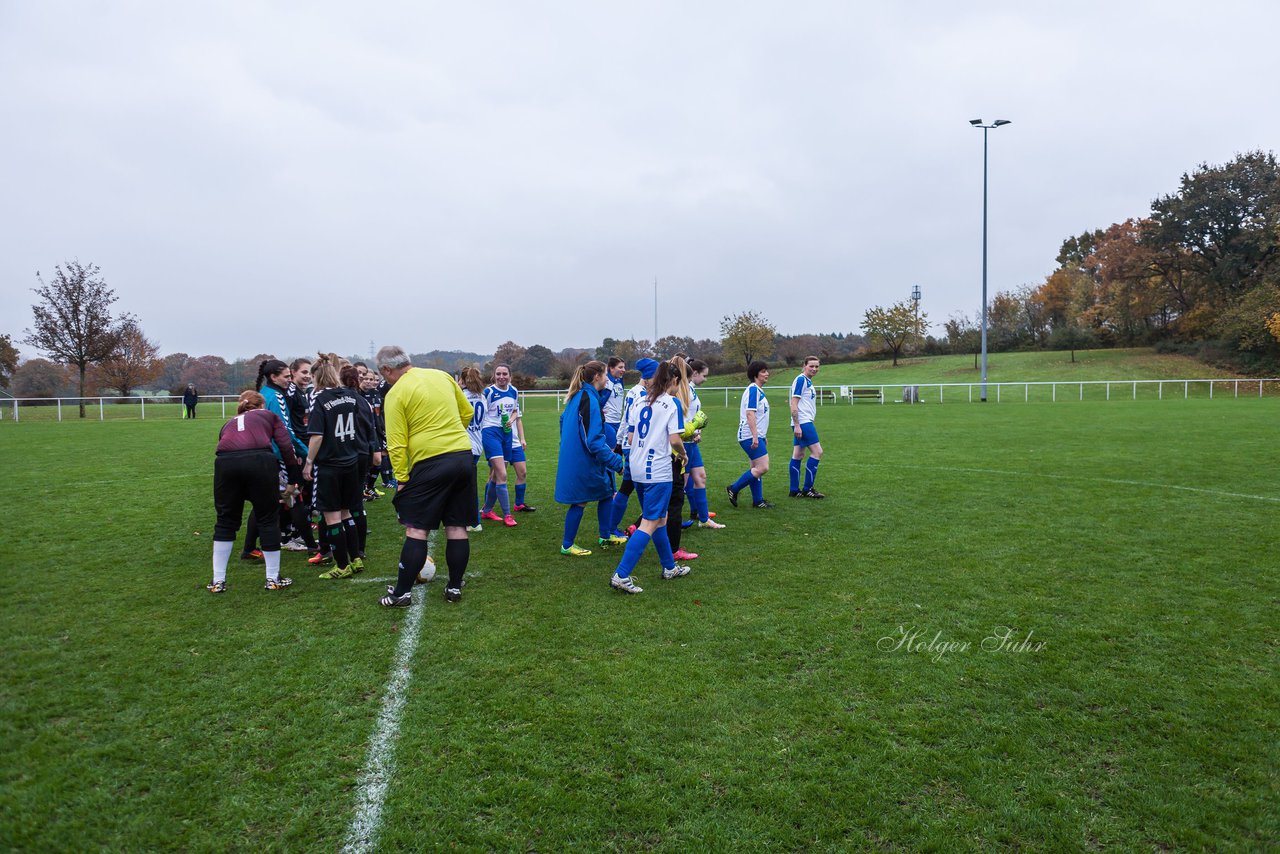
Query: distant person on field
[(190, 397), (584, 470), (804, 408), (427, 417), (245, 469), (753, 424)]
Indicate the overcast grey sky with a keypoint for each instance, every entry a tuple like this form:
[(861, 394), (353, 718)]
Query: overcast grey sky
[(287, 176)]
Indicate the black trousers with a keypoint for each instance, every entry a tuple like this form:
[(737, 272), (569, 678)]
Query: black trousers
[(252, 476), (675, 518)]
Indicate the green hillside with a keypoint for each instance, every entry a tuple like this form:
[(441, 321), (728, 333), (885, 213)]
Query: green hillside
[(1141, 363)]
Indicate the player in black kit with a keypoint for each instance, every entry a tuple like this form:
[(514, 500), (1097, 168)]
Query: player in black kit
[(333, 454)]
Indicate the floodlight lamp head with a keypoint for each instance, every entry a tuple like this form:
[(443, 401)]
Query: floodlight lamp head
[(976, 122), (999, 122)]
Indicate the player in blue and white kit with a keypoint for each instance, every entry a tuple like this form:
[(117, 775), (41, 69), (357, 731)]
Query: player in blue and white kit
[(611, 399), (654, 428), (473, 391), (697, 486), (804, 408), (635, 396), (501, 417), (753, 424)]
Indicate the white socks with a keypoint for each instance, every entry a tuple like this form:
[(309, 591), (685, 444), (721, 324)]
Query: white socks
[(273, 564), (221, 555)]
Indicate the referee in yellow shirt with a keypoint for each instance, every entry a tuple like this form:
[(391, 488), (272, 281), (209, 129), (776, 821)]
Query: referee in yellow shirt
[(427, 415)]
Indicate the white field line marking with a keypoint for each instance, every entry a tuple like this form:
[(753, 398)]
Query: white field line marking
[(379, 764), (373, 580), (1142, 483)]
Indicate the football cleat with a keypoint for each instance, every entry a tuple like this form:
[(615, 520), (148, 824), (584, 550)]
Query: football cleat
[(509, 521), (295, 545), (391, 600), (453, 594), (762, 505), (733, 496), (256, 554), (710, 523), (474, 528), (318, 559), (575, 551), (491, 516), (676, 571), (812, 493), (681, 554), (216, 587), (277, 583), (611, 540), (687, 523), (626, 585), (631, 529), (336, 573), (795, 494), (357, 565), (525, 508)]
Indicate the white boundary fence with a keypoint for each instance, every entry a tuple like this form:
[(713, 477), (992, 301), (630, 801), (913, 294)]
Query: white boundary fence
[(164, 406)]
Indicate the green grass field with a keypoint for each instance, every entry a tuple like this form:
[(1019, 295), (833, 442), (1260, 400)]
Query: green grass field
[(766, 702)]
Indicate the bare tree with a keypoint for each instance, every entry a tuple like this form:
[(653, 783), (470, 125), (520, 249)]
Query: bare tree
[(73, 321)]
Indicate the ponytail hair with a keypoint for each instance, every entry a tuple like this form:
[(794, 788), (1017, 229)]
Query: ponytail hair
[(658, 383), (268, 368), (681, 368), (350, 376), (470, 379), (249, 400), (585, 375), (324, 371)]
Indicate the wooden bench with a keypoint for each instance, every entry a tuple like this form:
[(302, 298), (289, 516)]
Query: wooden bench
[(864, 394)]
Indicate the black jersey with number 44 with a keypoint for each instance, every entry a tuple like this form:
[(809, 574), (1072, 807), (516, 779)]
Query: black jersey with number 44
[(335, 416)]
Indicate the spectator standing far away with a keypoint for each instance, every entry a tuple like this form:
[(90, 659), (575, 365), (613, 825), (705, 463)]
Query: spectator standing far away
[(190, 397)]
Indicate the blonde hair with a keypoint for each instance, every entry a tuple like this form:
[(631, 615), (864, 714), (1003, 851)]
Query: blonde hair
[(682, 382), (324, 371), (471, 380), (585, 374), (249, 400)]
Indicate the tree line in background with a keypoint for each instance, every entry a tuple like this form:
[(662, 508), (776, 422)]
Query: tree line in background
[(1199, 274)]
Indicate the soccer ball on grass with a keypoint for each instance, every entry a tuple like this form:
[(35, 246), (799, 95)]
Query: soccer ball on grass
[(427, 572)]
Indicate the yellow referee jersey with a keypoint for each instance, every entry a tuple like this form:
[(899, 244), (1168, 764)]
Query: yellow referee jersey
[(427, 415)]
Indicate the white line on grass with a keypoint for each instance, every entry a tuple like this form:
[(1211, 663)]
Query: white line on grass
[(379, 765), (1143, 483)]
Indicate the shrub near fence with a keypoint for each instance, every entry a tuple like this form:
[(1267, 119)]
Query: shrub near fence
[(223, 406)]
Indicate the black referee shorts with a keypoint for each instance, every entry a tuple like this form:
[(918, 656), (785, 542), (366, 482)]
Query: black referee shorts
[(439, 490)]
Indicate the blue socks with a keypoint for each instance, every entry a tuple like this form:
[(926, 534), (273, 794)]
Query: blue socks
[(698, 498), (757, 490), (520, 493), (740, 483), (620, 500), (810, 472), (663, 545), (490, 495), (604, 518), (795, 474), (631, 555), (572, 520), (504, 498)]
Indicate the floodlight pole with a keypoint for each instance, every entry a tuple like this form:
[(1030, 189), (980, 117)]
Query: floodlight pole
[(985, 127)]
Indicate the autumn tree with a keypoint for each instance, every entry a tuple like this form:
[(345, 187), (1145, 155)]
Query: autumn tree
[(208, 374), (894, 327), (747, 335), (537, 361), (8, 360), (73, 321), (668, 345), (134, 364), (39, 378), (507, 353)]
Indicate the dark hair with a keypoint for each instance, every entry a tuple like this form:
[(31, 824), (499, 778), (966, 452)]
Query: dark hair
[(754, 369), (697, 366), (614, 361), (301, 360), (268, 368), (662, 378), (350, 376), (360, 365), (808, 359)]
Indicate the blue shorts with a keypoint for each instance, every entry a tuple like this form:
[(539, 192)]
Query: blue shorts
[(694, 453), (611, 434), (808, 435), (654, 498), (497, 442), (759, 452), (516, 455)]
